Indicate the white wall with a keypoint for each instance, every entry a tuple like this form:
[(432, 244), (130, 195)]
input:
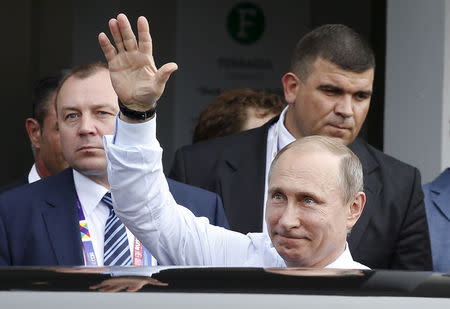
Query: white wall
[(417, 79)]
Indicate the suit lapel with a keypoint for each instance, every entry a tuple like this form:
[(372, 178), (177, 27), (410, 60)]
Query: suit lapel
[(61, 219), (372, 188), (440, 193), (242, 180)]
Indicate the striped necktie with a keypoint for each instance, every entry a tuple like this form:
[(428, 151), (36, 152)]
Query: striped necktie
[(116, 250)]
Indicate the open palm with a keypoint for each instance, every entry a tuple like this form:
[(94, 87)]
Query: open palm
[(135, 78)]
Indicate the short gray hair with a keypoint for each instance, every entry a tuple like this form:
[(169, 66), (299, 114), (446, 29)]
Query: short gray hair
[(350, 177)]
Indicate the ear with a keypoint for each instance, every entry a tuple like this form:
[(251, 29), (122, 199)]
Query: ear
[(355, 209), (290, 84), (34, 132)]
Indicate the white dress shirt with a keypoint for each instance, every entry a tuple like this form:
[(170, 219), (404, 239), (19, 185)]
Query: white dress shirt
[(171, 232)]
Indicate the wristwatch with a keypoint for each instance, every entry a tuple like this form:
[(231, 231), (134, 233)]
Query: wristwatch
[(137, 115)]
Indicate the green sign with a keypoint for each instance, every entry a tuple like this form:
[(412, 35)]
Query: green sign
[(246, 23)]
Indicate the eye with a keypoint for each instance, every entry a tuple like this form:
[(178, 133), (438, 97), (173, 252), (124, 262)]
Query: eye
[(331, 90), (361, 96), (277, 196), (308, 200), (71, 116)]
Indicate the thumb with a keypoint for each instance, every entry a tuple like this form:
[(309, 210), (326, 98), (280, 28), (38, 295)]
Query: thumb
[(164, 72)]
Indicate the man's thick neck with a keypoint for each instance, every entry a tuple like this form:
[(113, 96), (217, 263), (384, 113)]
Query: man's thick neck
[(289, 123), (101, 179), (41, 169)]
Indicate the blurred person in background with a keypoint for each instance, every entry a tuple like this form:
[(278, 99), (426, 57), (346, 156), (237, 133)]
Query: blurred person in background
[(236, 110), (42, 130)]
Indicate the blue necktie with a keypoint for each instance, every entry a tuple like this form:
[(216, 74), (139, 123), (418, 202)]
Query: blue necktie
[(116, 249)]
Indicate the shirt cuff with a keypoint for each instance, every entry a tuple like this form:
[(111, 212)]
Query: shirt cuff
[(135, 134)]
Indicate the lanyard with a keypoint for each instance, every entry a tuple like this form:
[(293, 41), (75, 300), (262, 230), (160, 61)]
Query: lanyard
[(141, 256), (88, 249)]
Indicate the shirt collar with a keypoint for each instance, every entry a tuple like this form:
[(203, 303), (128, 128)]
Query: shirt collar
[(345, 260), (89, 192), (33, 175), (284, 136)]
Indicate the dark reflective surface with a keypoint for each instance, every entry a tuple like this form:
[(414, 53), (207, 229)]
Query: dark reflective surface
[(227, 280)]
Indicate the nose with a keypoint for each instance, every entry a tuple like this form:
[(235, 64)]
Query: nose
[(87, 126), (290, 218), (344, 107)]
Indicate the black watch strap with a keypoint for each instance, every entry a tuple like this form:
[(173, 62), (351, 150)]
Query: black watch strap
[(133, 114)]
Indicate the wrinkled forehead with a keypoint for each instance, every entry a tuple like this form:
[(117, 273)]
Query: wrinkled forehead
[(306, 160), (309, 173), (93, 89), (326, 71)]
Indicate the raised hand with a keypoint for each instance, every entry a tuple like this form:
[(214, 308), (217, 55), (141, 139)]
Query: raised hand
[(135, 78)]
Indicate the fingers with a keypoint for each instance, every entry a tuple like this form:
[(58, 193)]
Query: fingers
[(114, 288), (124, 38), (164, 72), (125, 284), (108, 49), (108, 286), (145, 40), (117, 36), (135, 287), (129, 40), (155, 282)]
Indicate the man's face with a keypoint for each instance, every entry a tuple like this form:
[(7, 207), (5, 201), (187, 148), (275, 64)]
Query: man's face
[(49, 142), (86, 111), (306, 216), (330, 101)]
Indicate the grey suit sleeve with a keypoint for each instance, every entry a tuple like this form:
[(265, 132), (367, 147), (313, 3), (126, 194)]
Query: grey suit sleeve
[(413, 249)]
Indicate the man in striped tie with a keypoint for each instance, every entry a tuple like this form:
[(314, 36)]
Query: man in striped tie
[(86, 107), (69, 218)]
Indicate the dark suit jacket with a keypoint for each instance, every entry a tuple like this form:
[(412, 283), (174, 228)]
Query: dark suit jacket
[(437, 204), (39, 221), (391, 233)]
